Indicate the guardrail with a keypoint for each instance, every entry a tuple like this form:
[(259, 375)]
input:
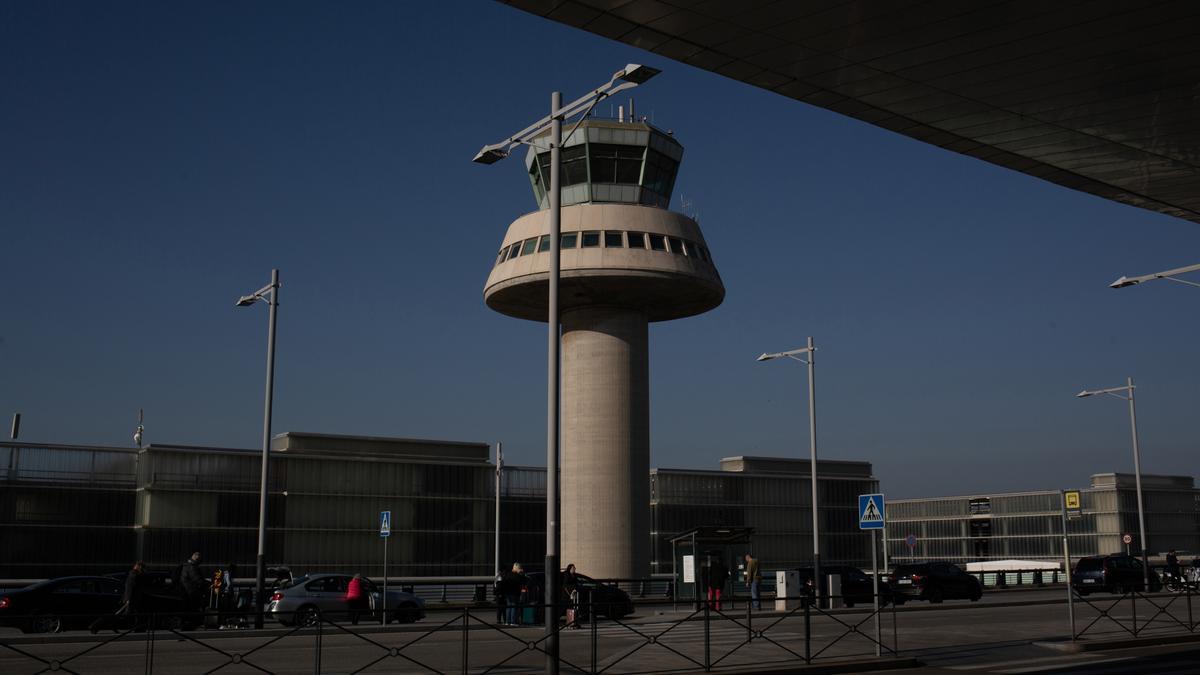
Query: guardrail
[(468, 642)]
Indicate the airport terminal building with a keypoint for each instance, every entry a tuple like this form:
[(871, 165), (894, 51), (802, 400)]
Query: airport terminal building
[(1028, 525), (80, 509), (89, 509)]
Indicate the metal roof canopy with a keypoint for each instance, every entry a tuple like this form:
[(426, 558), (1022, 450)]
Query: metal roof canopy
[(1095, 96)]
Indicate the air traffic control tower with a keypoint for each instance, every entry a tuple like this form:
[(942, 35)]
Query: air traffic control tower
[(626, 260)]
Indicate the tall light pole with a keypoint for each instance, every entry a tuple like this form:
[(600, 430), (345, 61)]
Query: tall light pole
[(270, 295), (499, 474), (630, 76), (1169, 275), (794, 354), (1137, 464)]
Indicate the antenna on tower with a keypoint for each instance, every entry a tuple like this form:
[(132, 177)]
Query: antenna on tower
[(686, 205), (137, 435)]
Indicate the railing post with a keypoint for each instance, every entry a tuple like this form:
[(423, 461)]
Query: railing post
[(895, 629), (320, 637), (1133, 604), (1187, 589), (149, 658), (443, 593), (807, 631), (592, 620), (707, 653), (749, 618), (466, 633)]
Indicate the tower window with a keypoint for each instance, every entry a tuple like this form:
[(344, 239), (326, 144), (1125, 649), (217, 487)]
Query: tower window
[(544, 243), (676, 246), (614, 240), (660, 173), (591, 239), (530, 245), (569, 239), (658, 242), (514, 251), (616, 163), (574, 166), (637, 240)]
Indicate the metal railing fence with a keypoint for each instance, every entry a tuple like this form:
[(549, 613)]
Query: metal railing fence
[(467, 641)]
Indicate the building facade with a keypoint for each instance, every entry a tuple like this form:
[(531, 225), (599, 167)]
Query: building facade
[(771, 495), (1028, 525)]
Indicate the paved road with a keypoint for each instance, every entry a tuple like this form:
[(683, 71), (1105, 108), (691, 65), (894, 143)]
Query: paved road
[(989, 636)]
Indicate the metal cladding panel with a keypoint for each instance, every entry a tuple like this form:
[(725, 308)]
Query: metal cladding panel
[(1097, 97)]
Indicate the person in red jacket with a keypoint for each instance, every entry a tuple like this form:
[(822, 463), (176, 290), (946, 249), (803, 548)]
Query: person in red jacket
[(356, 598)]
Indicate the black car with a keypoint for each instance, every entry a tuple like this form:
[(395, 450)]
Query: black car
[(607, 600), (934, 581), (1115, 573), (57, 604), (857, 586)]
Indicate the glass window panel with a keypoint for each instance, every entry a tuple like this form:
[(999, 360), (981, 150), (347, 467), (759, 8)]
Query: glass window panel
[(569, 239), (502, 256), (614, 240), (514, 251), (544, 243), (616, 163), (591, 239), (658, 242), (676, 246), (574, 165), (529, 246), (637, 240)]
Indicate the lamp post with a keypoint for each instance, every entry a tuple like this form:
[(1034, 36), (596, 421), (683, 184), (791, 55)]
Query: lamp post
[(1169, 275), (630, 76), (270, 295), (1137, 463), (794, 354), (499, 475)]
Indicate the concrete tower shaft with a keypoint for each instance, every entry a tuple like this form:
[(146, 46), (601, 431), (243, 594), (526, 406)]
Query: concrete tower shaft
[(606, 441)]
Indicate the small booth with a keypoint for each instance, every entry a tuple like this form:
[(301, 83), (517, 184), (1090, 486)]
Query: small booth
[(695, 551)]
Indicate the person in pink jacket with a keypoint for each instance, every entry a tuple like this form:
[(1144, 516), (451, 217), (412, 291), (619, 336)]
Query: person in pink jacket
[(356, 598)]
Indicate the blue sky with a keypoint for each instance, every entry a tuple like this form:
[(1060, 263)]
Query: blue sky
[(158, 159)]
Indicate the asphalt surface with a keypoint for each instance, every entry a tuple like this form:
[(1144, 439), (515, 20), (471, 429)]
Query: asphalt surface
[(997, 634)]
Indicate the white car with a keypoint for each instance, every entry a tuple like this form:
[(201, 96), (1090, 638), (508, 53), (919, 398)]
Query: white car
[(308, 599)]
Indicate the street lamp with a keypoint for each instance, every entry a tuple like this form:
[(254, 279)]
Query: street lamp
[(794, 354), (270, 295), (629, 77), (1169, 275), (1137, 463)]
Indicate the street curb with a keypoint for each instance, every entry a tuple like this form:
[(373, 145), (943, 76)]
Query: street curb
[(1065, 645), (850, 666)]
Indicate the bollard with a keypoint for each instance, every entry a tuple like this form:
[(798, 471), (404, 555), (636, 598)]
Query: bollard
[(807, 633), (317, 650)]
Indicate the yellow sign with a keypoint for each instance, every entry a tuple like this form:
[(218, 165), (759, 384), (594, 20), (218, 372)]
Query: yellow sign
[(1072, 499)]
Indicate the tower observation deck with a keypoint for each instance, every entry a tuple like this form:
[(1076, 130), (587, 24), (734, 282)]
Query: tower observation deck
[(626, 260)]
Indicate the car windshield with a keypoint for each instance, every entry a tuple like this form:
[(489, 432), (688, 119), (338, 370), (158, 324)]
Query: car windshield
[(298, 581), (1088, 565), (905, 570)]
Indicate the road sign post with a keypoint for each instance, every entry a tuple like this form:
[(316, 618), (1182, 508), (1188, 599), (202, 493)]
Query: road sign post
[(1067, 500), (385, 531), (871, 517), (1127, 539)]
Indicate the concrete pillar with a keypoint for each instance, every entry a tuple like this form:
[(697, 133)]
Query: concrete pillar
[(605, 442)]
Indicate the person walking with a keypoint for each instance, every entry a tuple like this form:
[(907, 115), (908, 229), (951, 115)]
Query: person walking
[(570, 587), (356, 598), (718, 574), (754, 579), (192, 581), (131, 599), (514, 580)]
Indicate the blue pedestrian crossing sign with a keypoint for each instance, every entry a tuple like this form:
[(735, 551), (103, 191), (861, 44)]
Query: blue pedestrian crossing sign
[(385, 523), (870, 512)]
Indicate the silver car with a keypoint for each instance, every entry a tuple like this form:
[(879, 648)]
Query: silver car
[(313, 596)]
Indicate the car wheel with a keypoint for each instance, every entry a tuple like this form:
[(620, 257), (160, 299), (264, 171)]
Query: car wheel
[(307, 616), (406, 613), (976, 594), (42, 622), (935, 595)]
